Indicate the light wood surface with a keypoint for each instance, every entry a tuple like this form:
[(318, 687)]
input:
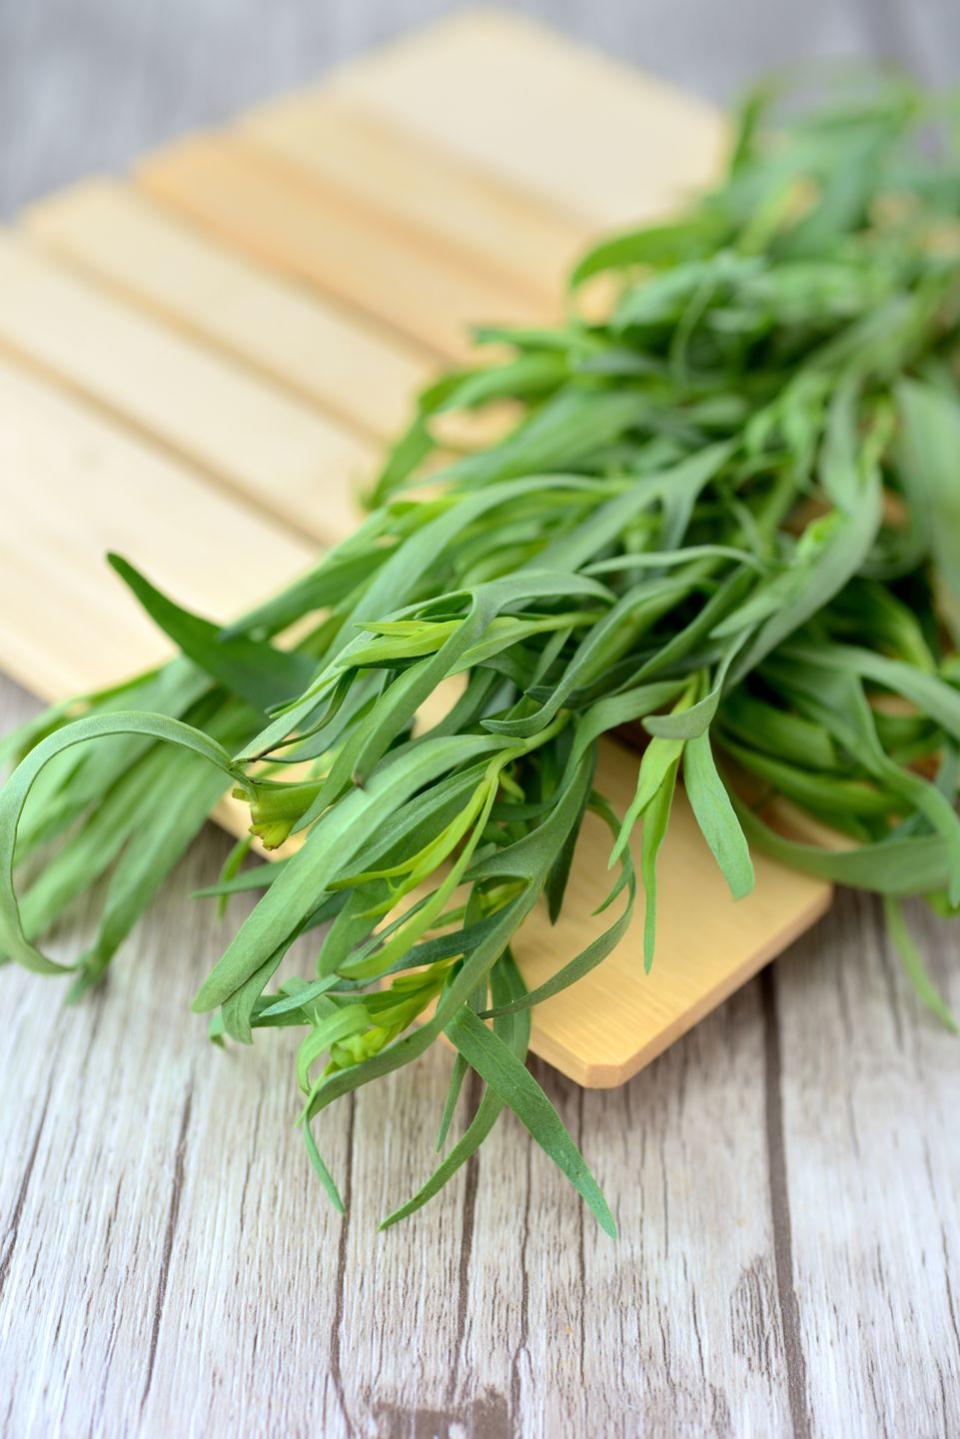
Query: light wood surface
[(476, 215), (74, 486), (786, 1176), (273, 212), (567, 125), (245, 434), (276, 450), (313, 347)]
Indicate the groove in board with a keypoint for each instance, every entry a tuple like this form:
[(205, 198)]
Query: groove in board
[(268, 209), (250, 435), (564, 124), (433, 194), (75, 486), (317, 349)]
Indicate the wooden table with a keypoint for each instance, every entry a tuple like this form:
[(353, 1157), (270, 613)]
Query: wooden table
[(786, 1178)]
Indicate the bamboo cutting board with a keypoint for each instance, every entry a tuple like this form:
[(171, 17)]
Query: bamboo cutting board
[(199, 362)]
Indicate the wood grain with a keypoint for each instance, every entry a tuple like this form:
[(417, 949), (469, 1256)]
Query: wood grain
[(263, 207), (785, 1179), (567, 124), (871, 1170), (95, 484), (311, 346), (246, 434), (354, 153)]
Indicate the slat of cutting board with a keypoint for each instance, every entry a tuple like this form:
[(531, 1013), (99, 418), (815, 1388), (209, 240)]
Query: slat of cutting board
[(564, 124), (353, 370), (265, 208), (74, 485), (583, 1032), (476, 216), (289, 459), (316, 349)]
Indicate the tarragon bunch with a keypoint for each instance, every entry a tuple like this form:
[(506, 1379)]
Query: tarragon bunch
[(728, 517)]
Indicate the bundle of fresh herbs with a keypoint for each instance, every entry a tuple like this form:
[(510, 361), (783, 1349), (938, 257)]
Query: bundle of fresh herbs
[(729, 513)]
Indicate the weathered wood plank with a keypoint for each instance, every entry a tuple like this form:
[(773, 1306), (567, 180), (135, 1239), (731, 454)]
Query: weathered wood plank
[(140, 1236), (784, 1179), (870, 1206)]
